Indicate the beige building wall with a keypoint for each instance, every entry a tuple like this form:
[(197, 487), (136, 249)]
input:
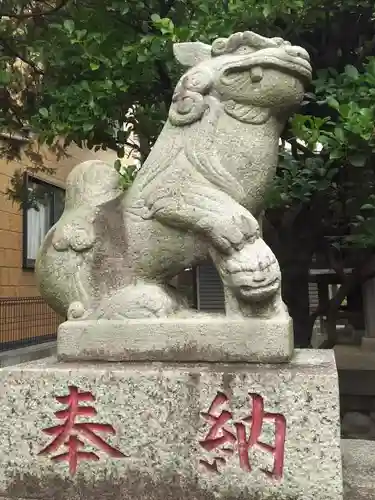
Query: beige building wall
[(14, 281)]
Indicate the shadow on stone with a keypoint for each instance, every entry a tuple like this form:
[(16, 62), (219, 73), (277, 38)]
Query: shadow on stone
[(135, 486)]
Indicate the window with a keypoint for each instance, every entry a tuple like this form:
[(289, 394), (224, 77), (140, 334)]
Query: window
[(44, 206)]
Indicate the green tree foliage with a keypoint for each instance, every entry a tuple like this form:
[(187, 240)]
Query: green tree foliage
[(93, 64), (327, 197), (96, 71)]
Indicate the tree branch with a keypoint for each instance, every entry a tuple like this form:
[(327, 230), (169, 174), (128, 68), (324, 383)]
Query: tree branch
[(133, 145), (14, 53), (165, 82), (165, 7), (298, 146), (290, 216), (270, 234), (35, 14)]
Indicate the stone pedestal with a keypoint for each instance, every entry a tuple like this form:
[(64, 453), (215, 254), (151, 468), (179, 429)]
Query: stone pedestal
[(197, 338), (171, 431)]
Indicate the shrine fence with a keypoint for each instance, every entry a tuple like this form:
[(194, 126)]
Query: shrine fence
[(26, 321)]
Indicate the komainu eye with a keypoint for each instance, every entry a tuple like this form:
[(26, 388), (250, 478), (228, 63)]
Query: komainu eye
[(244, 50)]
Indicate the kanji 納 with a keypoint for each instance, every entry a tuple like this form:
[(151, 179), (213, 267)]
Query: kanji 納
[(221, 435)]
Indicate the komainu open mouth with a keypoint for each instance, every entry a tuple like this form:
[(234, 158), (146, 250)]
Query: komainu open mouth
[(261, 292)]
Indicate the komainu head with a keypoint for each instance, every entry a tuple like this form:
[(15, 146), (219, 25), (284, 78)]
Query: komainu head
[(252, 76)]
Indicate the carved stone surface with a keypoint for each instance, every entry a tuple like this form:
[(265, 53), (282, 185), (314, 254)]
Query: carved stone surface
[(156, 419), (82, 257), (199, 194)]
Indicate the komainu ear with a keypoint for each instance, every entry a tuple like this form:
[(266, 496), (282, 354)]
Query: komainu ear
[(191, 53)]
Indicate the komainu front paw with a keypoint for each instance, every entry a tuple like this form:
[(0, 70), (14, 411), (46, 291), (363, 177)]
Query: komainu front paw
[(232, 231)]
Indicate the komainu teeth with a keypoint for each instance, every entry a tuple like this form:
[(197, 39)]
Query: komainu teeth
[(256, 74)]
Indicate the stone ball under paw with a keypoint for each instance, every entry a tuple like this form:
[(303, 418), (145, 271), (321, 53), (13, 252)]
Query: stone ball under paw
[(76, 311)]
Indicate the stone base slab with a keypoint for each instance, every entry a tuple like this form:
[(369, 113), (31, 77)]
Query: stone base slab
[(170, 431), (213, 339)]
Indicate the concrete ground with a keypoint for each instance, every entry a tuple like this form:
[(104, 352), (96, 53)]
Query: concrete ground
[(25, 354), (358, 463)]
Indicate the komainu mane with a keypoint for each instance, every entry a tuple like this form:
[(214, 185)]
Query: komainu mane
[(112, 254)]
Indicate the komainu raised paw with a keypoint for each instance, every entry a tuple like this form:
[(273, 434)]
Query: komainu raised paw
[(216, 216), (230, 232)]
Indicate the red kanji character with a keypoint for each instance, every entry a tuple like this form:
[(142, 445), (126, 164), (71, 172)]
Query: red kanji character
[(256, 420), (66, 433), (218, 435), (73, 455)]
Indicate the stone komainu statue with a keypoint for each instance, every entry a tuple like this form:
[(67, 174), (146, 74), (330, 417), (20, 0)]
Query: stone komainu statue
[(112, 254)]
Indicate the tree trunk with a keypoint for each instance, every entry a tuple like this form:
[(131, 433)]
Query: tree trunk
[(294, 254), (295, 293), (144, 148)]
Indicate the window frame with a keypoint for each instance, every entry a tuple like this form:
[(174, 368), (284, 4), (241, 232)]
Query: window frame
[(53, 189)]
